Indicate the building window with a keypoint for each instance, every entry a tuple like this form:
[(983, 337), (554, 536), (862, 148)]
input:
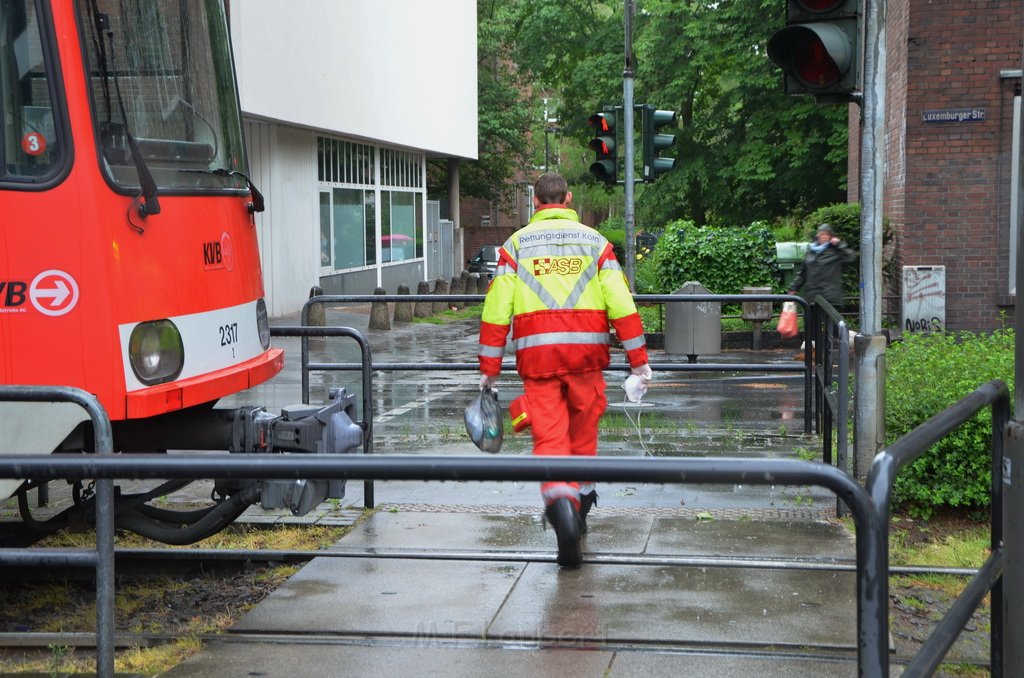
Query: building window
[(348, 220), (347, 225), (344, 162), (401, 169), (350, 192), (401, 204), (401, 222)]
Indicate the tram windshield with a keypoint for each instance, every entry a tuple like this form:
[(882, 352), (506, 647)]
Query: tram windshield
[(30, 150), (161, 79)]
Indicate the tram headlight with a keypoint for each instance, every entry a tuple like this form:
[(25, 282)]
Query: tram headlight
[(156, 352), (263, 324)]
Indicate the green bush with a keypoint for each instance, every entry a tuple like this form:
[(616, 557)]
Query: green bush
[(645, 271), (724, 260), (614, 228), (844, 218), (926, 374)]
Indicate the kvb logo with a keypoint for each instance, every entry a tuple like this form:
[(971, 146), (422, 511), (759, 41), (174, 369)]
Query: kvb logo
[(12, 296), (52, 293), (218, 254)]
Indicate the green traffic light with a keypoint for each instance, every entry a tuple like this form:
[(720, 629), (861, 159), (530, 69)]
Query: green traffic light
[(604, 170), (655, 142)]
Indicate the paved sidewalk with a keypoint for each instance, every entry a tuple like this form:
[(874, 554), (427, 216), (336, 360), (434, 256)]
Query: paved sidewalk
[(458, 578)]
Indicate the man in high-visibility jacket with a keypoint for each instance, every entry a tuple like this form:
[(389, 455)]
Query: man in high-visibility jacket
[(558, 287)]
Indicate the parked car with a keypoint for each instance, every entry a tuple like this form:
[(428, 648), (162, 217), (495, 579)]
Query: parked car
[(485, 262)]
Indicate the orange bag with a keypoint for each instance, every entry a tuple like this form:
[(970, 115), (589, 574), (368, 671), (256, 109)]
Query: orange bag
[(517, 411), (787, 326)]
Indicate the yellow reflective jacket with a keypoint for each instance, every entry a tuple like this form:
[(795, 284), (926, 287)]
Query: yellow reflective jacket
[(558, 287)]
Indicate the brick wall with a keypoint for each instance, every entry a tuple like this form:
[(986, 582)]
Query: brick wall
[(947, 185), (894, 181), (474, 235)]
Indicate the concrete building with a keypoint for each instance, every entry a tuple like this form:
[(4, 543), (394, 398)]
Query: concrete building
[(343, 102), (951, 153)]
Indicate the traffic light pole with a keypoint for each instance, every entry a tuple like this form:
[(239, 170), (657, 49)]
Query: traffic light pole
[(1013, 461), (869, 398), (627, 127)]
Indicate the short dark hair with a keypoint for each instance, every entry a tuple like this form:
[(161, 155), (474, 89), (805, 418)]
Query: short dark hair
[(551, 189)]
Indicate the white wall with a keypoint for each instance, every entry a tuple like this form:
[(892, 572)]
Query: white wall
[(401, 72), (283, 167)]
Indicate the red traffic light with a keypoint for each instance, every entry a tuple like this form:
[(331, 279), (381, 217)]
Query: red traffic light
[(600, 123), (819, 49), (606, 162), (819, 56), (812, 62), (600, 144)]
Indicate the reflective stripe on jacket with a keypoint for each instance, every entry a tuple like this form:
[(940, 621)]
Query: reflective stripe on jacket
[(558, 286)]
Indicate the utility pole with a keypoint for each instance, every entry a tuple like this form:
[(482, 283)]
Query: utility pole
[(1013, 461), (627, 133), (869, 399)]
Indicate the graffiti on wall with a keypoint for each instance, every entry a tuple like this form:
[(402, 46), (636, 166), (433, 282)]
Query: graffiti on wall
[(924, 298)]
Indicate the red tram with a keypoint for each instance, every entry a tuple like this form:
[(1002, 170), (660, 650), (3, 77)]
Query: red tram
[(129, 263)]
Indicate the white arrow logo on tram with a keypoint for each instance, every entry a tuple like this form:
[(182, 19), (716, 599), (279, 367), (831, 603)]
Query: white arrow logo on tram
[(58, 294), (53, 292)]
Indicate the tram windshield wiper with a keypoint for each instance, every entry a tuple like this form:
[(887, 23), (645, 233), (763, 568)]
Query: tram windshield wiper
[(257, 205), (149, 203)]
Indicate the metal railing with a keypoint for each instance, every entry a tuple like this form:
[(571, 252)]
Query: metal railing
[(365, 366), (102, 557), (872, 638), (831, 375), (870, 507), (830, 335), (880, 482), (804, 369)]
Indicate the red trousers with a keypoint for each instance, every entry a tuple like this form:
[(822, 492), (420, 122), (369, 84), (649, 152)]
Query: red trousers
[(564, 412)]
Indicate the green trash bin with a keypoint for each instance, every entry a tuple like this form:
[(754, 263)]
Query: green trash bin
[(789, 256)]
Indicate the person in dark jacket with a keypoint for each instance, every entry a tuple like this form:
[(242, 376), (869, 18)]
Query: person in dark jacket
[(822, 268)]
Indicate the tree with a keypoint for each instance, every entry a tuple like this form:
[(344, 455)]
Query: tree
[(745, 150)]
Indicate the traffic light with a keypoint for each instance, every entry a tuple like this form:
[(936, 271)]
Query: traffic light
[(654, 143), (605, 166), (819, 50)]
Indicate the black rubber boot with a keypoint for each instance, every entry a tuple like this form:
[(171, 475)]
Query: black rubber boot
[(566, 520), (586, 502)]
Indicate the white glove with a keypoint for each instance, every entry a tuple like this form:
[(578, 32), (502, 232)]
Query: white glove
[(637, 382), (644, 372), (487, 381)]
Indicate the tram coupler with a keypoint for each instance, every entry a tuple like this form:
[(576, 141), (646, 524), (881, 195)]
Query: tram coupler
[(309, 429)]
